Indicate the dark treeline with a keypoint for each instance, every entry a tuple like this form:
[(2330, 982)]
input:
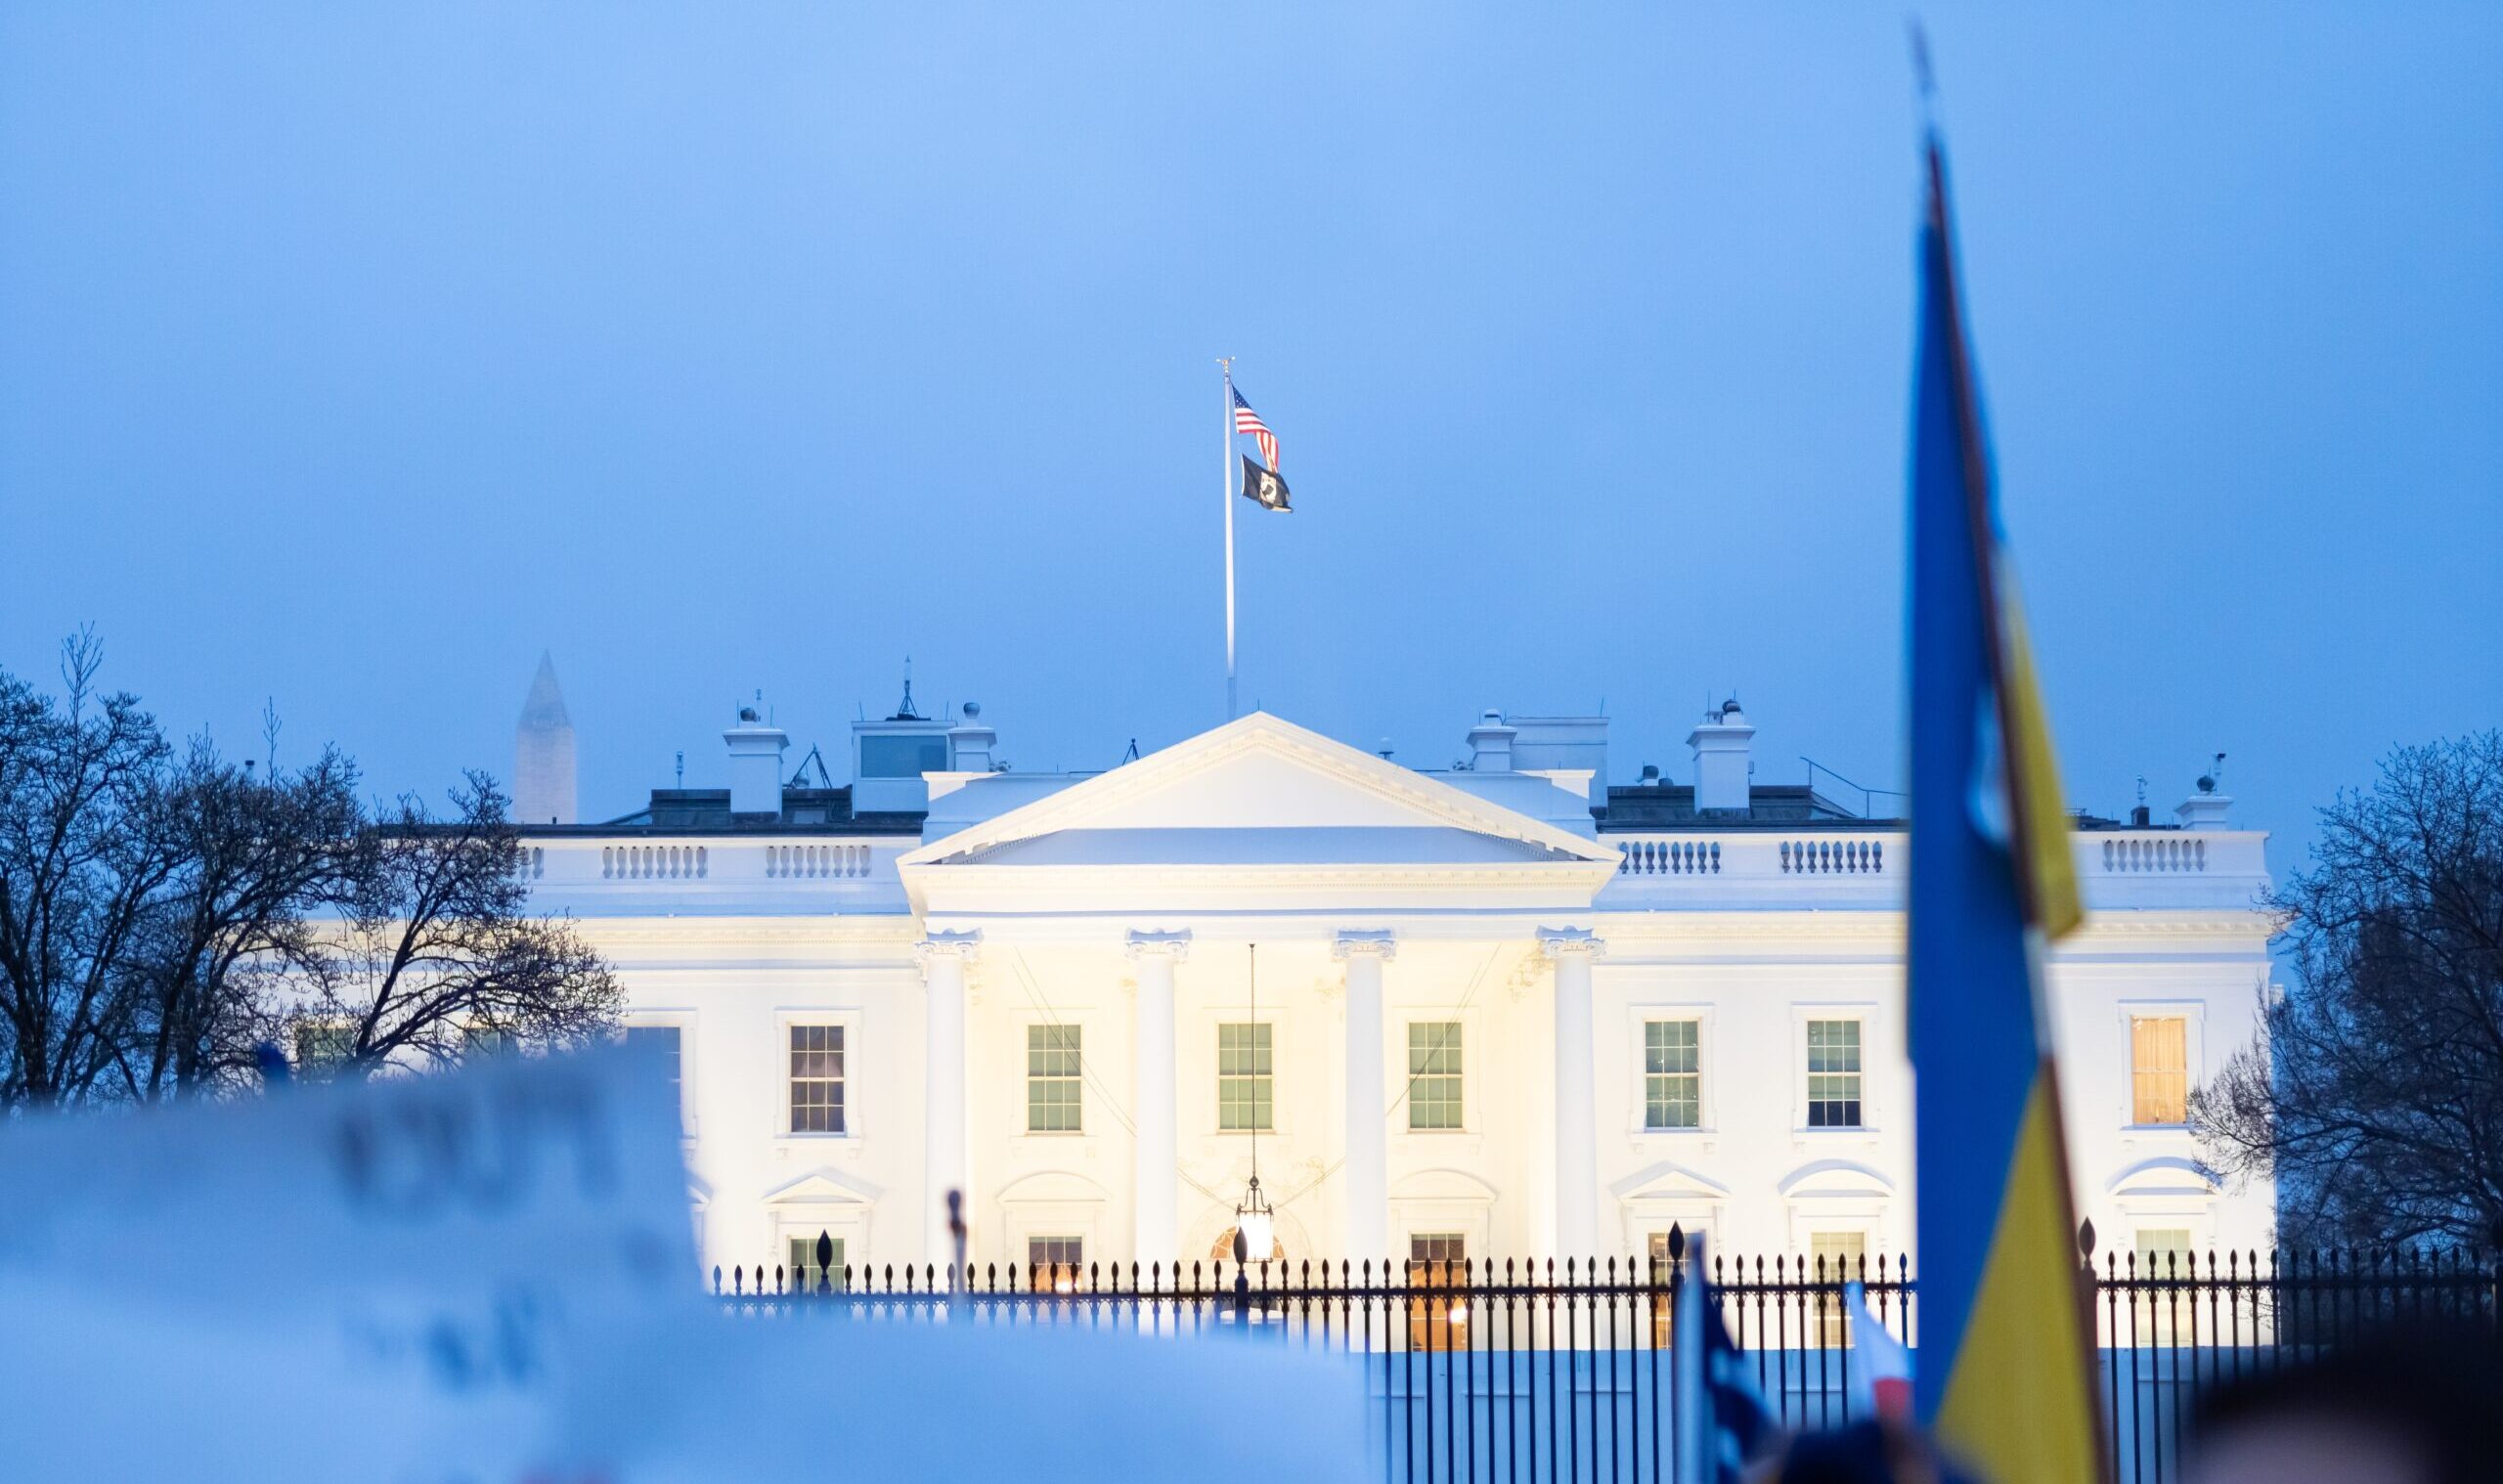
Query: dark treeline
[(166, 910), (2374, 1091)]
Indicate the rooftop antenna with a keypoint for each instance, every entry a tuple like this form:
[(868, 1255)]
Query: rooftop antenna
[(1132, 754), (2142, 788), (904, 711), (682, 768)]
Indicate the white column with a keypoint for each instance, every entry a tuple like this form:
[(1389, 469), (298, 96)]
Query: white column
[(944, 1167), (1577, 1154), (1367, 1168), (1156, 1186)]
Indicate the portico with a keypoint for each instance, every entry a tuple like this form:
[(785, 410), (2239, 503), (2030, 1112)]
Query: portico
[(1125, 908)]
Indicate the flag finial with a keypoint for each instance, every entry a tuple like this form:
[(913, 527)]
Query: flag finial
[(1925, 80)]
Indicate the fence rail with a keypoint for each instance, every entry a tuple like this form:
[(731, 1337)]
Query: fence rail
[(1487, 1370)]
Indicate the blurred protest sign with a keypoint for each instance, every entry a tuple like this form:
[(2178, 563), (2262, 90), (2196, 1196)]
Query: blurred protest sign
[(400, 1262), (485, 1277)]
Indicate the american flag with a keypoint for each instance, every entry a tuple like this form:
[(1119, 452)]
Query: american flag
[(1247, 421)]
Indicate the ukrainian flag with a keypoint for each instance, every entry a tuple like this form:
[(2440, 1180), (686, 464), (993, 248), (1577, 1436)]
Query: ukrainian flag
[(2006, 1372)]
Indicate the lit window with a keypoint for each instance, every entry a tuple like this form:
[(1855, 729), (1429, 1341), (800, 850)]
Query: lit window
[(1244, 1077), (809, 1275), (1437, 1260), (1672, 1075), (816, 1080), (1054, 1065), (1663, 1274), (1053, 1263), (1835, 1258), (1433, 1074), (1833, 1073), (2159, 1069)]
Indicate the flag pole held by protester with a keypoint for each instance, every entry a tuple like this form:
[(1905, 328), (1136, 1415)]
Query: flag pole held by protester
[(2005, 1375)]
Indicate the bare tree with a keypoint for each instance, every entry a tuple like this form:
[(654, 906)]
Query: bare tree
[(434, 956), (79, 863), (160, 917), (254, 853), (2374, 1091)]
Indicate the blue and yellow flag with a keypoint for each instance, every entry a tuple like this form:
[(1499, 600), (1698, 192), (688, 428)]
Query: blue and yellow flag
[(2006, 1372)]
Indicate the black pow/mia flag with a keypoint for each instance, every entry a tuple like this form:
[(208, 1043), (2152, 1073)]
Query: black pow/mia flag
[(1264, 485)]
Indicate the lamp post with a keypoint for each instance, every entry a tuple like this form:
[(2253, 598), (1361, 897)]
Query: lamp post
[(1256, 1225)]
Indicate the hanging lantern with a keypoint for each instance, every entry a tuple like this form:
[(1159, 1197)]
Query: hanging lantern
[(1255, 1225)]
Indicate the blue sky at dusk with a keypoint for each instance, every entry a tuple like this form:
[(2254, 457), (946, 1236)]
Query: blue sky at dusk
[(351, 356)]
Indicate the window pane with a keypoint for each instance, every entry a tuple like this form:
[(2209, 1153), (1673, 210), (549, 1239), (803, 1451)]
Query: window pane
[(1672, 1081), (1433, 1074), (1055, 1068), (1834, 1258), (816, 1080), (891, 757), (1053, 1264), (807, 1274), (2159, 1069), (1833, 1073), (2162, 1261), (1244, 1076)]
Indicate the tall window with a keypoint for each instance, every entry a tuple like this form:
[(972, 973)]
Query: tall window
[(669, 1044), (816, 1080), (1833, 1073), (1244, 1077), (1662, 1275), (1053, 1263), (1834, 1258), (2163, 1250), (480, 1039), (1054, 1065), (809, 1275), (1433, 1074), (2163, 1256), (2159, 1069), (1672, 1075), (1436, 1261)]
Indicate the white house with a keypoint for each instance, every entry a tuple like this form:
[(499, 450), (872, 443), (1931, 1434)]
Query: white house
[(1506, 1009)]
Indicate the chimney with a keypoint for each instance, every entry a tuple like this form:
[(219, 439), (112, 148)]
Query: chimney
[(969, 742), (2210, 806), (1490, 744), (756, 764), (1720, 765)]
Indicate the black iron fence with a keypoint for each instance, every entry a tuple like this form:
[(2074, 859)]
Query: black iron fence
[(1484, 1370)]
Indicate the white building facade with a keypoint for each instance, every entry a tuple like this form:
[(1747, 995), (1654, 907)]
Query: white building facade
[(1501, 1010)]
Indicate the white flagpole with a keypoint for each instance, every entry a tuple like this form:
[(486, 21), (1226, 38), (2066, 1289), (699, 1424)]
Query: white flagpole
[(1227, 364)]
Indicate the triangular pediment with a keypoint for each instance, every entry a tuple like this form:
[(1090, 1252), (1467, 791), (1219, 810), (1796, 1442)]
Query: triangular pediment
[(822, 1186), (1273, 792)]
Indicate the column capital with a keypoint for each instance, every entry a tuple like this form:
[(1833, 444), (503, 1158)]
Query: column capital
[(1556, 942), (1145, 944), (944, 943), (1378, 942)]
